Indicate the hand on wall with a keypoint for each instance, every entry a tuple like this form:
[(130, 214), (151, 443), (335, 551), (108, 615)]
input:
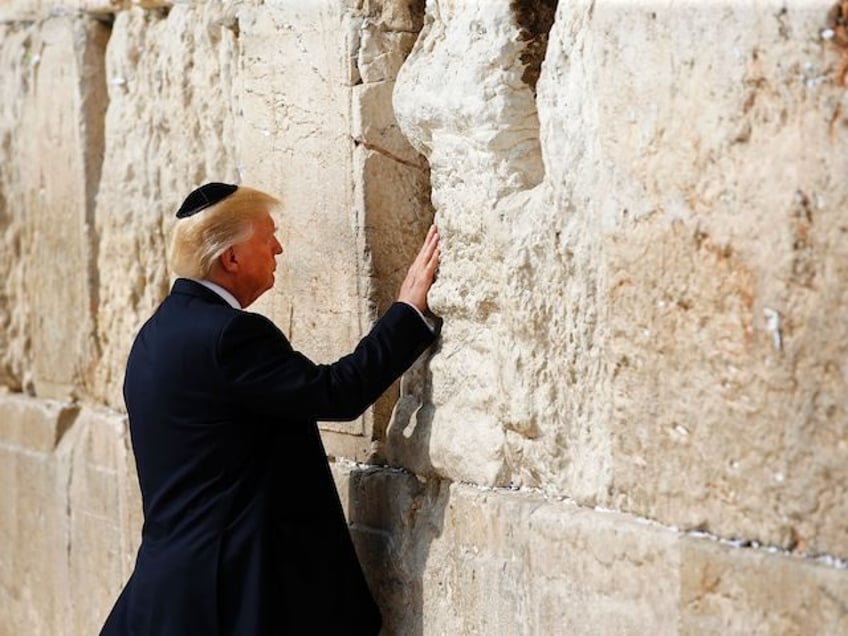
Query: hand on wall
[(421, 273)]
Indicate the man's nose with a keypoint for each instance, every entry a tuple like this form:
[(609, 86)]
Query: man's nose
[(278, 248)]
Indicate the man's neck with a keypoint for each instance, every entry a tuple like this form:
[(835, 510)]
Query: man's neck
[(222, 291)]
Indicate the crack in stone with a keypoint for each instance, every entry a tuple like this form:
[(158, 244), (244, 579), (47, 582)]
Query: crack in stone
[(387, 153), (535, 19), (824, 559)]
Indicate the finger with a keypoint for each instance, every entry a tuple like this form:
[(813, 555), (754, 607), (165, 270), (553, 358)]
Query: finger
[(427, 247), (433, 263)]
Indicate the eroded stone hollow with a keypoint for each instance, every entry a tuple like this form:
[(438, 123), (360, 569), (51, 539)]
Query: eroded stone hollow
[(535, 19)]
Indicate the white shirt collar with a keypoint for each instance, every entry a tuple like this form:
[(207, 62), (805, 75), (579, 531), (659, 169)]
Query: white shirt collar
[(223, 293)]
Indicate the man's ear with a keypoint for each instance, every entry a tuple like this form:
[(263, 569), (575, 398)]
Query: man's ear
[(229, 260)]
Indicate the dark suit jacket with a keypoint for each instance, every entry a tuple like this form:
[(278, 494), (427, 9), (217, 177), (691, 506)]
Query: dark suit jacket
[(243, 529)]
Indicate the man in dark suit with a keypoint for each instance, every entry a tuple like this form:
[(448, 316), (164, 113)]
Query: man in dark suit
[(243, 529)]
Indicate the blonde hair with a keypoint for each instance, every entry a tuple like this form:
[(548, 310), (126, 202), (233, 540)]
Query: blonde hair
[(198, 240)]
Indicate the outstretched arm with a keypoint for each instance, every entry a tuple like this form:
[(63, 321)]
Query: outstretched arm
[(267, 374)]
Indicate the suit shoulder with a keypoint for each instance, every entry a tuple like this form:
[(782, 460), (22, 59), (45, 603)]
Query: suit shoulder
[(248, 327)]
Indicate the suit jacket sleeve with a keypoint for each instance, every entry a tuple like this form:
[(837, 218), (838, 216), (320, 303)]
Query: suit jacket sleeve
[(271, 378)]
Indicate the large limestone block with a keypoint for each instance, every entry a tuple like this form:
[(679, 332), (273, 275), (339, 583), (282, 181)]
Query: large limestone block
[(731, 591), (508, 563), (34, 576), (53, 108), (37, 425), (447, 558), (71, 515), (656, 325), (104, 517), (296, 82), (456, 559), (718, 252), (394, 519), (461, 100), (169, 127)]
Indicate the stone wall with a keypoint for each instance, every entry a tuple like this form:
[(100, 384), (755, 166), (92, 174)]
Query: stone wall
[(636, 418)]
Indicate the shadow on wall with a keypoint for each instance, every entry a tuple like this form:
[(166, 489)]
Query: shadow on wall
[(394, 515)]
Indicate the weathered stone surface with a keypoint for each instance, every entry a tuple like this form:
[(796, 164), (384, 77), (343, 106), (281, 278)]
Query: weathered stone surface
[(455, 559), (55, 99), (460, 99), (15, 58), (296, 92), (730, 591), (33, 531), (720, 259), (37, 425), (656, 325), (642, 283), (104, 518), (71, 515), (348, 237), (69, 93), (441, 558), (169, 127), (33, 10)]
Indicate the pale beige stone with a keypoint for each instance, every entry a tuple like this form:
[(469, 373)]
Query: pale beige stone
[(460, 99), (100, 539), (56, 92), (731, 591), (295, 122), (374, 126), (348, 237), (447, 558), (33, 10), (657, 324), (35, 425), (16, 57), (33, 532), (169, 127), (719, 255), (71, 515), (642, 281), (66, 125)]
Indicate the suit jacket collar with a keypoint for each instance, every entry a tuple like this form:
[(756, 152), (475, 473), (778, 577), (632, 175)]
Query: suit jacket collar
[(193, 288)]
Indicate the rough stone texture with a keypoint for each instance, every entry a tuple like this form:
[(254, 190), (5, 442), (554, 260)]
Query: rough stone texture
[(318, 105), (33, 568), (729, 274), (461, 101), (655, 325), (104, 517), (728, 591), (70, 522), (34, 10), (53, 117), (643, 230), (169, 126), (37, 425), (456, 559), (15, 58)]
